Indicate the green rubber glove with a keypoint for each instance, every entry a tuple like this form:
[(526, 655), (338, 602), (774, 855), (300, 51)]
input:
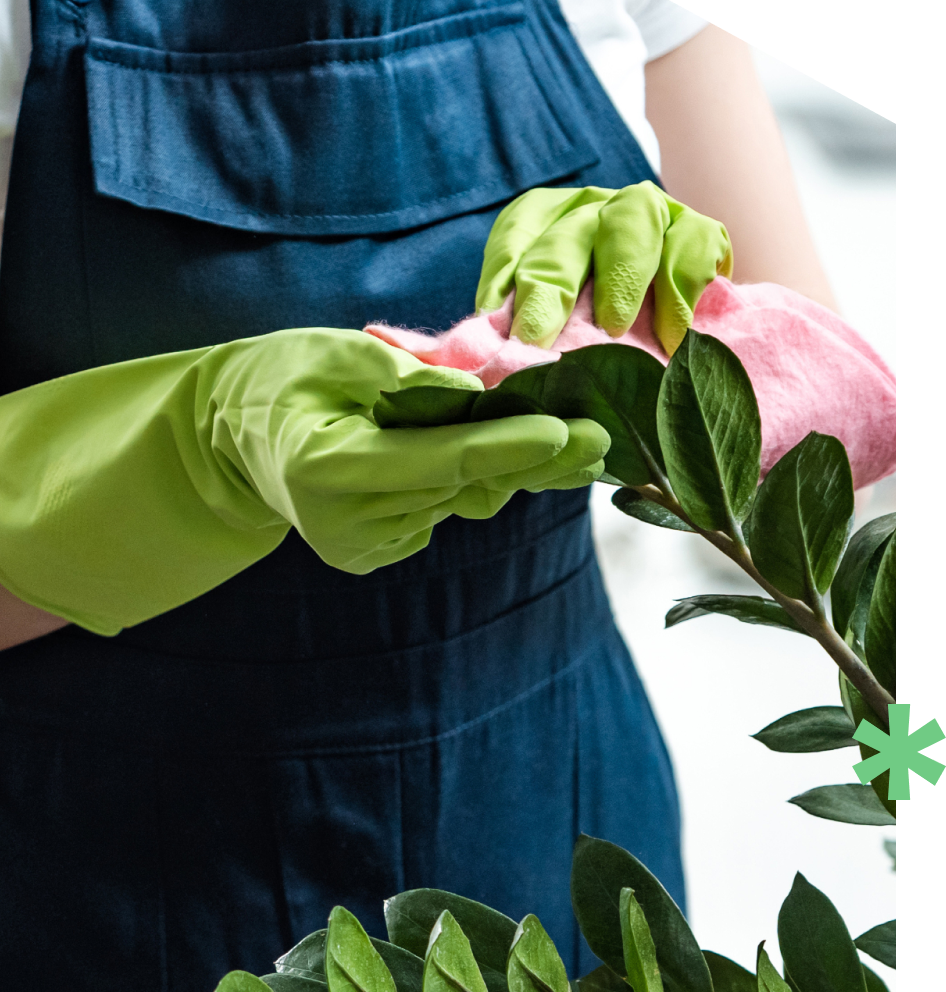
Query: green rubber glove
[(544, 243), (129, 489)]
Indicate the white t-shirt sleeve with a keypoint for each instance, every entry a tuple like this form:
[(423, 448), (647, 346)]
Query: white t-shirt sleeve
[(664, 26), (14, 57), (618, 37)]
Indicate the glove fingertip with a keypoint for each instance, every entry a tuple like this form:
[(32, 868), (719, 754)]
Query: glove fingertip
[(670, 335)]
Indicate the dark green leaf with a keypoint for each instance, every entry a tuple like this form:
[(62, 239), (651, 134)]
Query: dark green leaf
[(534, 964), (729, 976), (599, 871), (801, 517), (880, 942), (874, 982), (748, 609), (816, 947), (602, 979), (411, 915), (820, 728), (710, 432), (890, 846), (241, 981), (518, 394), (449, 965), (851, 589), (618, 388), (640, 955), (407, 969), (880, 641), (849, 803), (424, 406), (609, 480), (634, 505), (306, 959), (857, 708), (280, 982), (769, 980), (352, 964)]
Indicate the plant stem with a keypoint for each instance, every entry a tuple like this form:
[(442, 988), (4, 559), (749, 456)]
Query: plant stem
[(815, 624)]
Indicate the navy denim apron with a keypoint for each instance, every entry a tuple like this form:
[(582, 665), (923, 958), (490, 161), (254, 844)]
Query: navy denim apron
[(195, 794)]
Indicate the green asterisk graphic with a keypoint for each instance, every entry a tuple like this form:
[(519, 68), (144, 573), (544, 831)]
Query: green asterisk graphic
[(899, 751)]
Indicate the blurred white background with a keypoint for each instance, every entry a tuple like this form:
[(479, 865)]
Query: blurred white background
[(714, 681)]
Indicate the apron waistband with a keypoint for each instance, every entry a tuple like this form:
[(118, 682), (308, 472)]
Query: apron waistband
[(345, 705)]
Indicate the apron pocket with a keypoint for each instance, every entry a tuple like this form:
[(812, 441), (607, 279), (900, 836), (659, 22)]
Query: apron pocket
[(335, 137)]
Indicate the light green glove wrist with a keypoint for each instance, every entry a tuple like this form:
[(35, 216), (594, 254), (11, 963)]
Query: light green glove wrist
[(544, 243), (130, 489)]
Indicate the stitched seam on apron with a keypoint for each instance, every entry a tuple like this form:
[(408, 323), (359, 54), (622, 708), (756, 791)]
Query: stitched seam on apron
[(328, 751), (549, 590), (514, 21), (503, 185), (420, 741)]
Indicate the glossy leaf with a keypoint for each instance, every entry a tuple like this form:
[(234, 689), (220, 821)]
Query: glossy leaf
[(873, 981), (602, 979), (729, 976), (599, 871), (820, 728), (880, 641), (710, 432), (534, 964), (449, 965), (618, 388), (768, 979), (306, 959), (407, 969), (241, 981), (880, 942), (852, 586), (858, 710), (518, 394), (748, 609), (849, 803), (411, 915), (424, 406), (634, 505), (293, 983), (801, 517), (640, 955), (816, 947), (352, 964)]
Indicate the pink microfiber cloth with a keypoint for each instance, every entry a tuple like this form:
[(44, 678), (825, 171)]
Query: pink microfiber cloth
[(809, 369)]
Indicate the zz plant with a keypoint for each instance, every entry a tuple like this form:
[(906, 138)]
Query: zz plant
[(686, 445), (686, 449), (441, 942)]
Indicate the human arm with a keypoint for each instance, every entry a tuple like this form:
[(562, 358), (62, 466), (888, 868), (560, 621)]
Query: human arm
[(20, 622), (160, 478), (723, 155)]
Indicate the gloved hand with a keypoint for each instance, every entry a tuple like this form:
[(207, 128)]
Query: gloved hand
[(129, 489), (544, 243)]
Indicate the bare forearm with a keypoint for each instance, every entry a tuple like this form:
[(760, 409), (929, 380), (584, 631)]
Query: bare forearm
[(20, 622), (722, 153)]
